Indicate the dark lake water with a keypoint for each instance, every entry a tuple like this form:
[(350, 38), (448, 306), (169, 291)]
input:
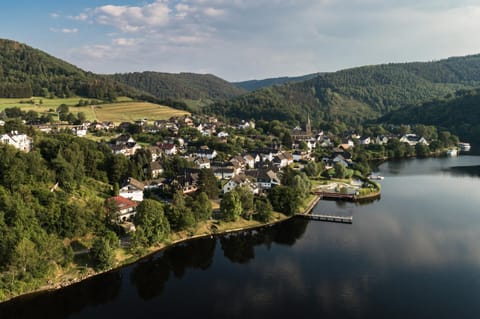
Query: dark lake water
[(415, 253)]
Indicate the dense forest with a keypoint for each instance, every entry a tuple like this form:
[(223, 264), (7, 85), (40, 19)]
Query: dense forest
[(26, 72), (357, 94), (253, 85), (458, 113), (180, 86)]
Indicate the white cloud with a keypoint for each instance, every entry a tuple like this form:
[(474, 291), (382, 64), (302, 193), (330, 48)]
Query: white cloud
[(64, 30), (126, 42), (242, 39), (132, 18), (212, 12), (54, 15), (80, 17)]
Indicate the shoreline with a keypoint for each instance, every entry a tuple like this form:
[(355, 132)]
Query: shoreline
[(280, 217)]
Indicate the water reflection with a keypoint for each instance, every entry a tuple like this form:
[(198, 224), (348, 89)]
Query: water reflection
[(240, 247), (95, 291), (472, 171)]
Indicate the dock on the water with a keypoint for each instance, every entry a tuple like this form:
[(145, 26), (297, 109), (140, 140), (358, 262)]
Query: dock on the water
[(331, 195), (307, 213), (329, 218)]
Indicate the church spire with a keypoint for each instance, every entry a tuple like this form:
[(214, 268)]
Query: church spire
[(308, 127)]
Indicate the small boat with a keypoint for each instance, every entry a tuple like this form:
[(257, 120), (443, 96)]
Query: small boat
[(464, 147), (452, 152), (375, 177)]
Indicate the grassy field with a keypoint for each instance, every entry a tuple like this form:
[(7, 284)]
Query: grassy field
[(125, 110), (132, 111)]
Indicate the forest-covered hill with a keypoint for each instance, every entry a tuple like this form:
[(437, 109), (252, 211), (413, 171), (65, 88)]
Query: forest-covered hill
[(180, 86), (356, 94), (26, 72), (458, 113), (252, 85)]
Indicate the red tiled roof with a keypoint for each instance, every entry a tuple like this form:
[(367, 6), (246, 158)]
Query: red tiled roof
[(122, 202)]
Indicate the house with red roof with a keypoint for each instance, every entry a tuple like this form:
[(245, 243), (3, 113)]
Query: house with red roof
[(125, 208)]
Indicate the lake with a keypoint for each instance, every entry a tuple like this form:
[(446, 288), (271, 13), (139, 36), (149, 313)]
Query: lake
[(415, 253)]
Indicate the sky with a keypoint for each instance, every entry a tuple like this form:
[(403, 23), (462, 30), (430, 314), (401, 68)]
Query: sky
[(242, 39)]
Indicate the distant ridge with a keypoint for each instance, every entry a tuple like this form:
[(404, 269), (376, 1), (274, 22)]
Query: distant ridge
[(181, 85), (253, 85), (357, 94)]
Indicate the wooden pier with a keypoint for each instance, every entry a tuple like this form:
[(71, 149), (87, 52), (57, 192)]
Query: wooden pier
[(329, 218), (331, 195), (307, 213)]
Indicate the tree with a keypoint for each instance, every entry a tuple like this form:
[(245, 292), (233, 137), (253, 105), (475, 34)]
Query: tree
[(421, 150), (287, 140), (65, 172), (202, 207), (178, 214), (231, 206), (62, 112), (302, 185), (263, 210), (81, 117), (340, 171), (102, 253), (246, 198), (25, 257), (312, 169), (151, 219), (208, 183), (285, 199)]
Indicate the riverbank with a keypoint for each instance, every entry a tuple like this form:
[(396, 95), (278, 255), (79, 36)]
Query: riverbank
[(210, 228)]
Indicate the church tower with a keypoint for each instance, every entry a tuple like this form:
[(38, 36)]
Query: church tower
[(308, 127)]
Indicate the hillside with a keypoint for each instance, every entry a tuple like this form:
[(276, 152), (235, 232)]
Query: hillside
[(459, 114), (181, 86), (354, 95), (253, 85), (26, 72)]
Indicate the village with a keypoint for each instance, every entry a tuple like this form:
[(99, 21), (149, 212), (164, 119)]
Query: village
[(237, 155)]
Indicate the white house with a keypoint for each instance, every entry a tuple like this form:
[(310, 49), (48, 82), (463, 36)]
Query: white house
[(365, 140), (157, 169), (222, 134), (265, 179), (125, 208), (19, 141), (223, 172), (249, 160), (80, 131), (202, 162), (283, 159), (240, 180), (413, 139), (210, 154), (168, 148), (133, 190), (381, 140)]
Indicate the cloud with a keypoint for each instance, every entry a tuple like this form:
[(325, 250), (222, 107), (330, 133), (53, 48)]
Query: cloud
[(80, 17), (132, 18), (64, 30), (242, 39), (126, 42), (54, 15), (212, 12)]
